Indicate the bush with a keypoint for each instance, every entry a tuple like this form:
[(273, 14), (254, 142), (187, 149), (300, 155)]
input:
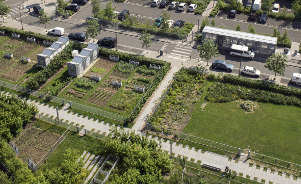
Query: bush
[(214, 11)]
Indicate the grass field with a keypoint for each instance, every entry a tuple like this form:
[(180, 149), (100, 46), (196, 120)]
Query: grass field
[(273, 130)]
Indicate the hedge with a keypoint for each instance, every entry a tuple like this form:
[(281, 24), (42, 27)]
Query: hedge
[(262, 85), (25, 34)]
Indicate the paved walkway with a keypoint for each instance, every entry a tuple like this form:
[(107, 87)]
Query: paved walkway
[(210, 6)]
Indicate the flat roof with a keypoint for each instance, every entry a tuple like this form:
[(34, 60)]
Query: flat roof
[(56, 45), (86, 52), (48, 51), (63, 39), (240, 35), (78, 59), (92, 46)]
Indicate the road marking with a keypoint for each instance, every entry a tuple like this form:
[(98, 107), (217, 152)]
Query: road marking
[(130, 47), (177, 54), (183, 49)]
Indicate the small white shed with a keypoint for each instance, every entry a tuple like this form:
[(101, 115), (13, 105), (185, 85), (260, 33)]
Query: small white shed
[(64, 40), (59, 46), (46, 56)]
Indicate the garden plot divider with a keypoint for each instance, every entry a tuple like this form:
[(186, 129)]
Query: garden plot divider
[(85, 108)]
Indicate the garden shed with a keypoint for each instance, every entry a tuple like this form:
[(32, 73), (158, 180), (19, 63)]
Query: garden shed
[(49, 53), (46, 56), (260, 44), (64, 40), (76, 66), (59, 46), (83, 60), (95, 48)]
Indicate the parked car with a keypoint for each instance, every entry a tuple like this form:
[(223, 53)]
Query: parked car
[(247, 70), (77, 36), (107, 41), (170, 23), (123, 14), (82, 2), (219, 64), (73, 7), (155, 3), (192, 7), (232, 14), (164, 4), (37, 8), (263, 18), (158, 21), (182, 7), (252, 16), (242, 51), (179, 23), (276, 8), (296, 79), (173, 5)]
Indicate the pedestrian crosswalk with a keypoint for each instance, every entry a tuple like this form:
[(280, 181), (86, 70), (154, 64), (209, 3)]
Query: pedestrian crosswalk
[(16, 11), (181, 52)]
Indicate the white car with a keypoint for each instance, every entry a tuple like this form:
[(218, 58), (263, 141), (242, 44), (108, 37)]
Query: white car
[(247, 70), (192, 7), (182, 7), (170, 23), (296, 79), (276, 8)]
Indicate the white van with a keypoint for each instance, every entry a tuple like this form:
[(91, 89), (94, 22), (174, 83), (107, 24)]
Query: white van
[(241, 50), (256, 5), (296, 79), (57, 31)]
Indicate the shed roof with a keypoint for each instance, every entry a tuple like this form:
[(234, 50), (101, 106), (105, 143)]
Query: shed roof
[(63, 39), (92, 46), (56, 45), (48, 51), (86, 52), (240, 35), (78, 59)]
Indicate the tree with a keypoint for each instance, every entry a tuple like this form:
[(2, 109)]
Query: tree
[(61, 4), (70, 171), (146, 38), (267, 5), (251, 29), (277, 63), (95, 8), (44, 19), (238, 28), (229, 175), (109, 11), (183, 165), (92, 28), (276, 33), (213, 23), (4, 9), (296, 7), (205, 22), (166, 16), (207, 50)]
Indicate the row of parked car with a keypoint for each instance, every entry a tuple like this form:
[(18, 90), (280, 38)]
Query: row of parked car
[(174, 5)]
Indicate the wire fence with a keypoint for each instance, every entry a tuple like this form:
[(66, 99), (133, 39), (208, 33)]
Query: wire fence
[(79, 106), (224, 147)]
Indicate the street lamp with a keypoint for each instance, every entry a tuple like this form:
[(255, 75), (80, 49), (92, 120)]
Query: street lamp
[(116, 41), (21, 18), (240, 61), (198, 24)]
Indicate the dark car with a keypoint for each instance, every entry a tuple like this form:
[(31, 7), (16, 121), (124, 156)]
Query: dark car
[(37, 9), (173, 5), (219, 64), (263, 18), (163, 4), (252, 16), (232, 14), (122, 15), (107, 41), (82, 2), (179, 23), (77, 36), (73, 7)]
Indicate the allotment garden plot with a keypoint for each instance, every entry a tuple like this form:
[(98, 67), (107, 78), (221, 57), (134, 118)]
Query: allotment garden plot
[(34, 143), (116, 90), (14, 69)]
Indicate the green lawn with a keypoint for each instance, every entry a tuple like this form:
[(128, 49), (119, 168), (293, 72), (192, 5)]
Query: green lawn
[(272, 130)]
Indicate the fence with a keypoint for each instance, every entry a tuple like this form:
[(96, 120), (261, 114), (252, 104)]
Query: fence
[(85, 108)]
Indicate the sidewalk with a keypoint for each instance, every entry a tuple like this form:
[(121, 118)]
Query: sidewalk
[(209, 8)]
